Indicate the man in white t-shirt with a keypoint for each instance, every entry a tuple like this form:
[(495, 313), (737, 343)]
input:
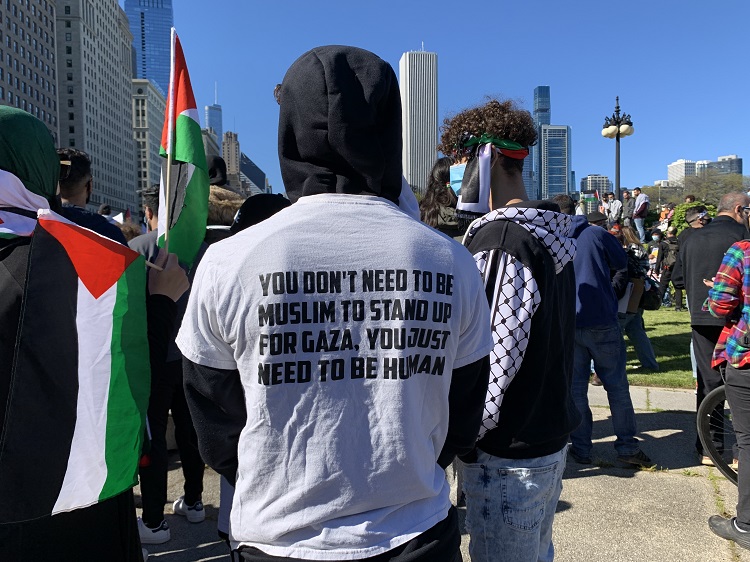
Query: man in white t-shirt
[(337, 353)]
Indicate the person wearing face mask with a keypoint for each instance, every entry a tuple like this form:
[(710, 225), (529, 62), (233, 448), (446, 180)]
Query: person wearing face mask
[(438, 206), (656, 251), (699, 258)]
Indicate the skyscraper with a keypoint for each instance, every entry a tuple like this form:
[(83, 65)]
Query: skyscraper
[(150, 24), (542, 107), (95, 96), (213, 117), (27, 68), (542, 116), (230, 152), (149, 107), (554, 158), (418, 80)]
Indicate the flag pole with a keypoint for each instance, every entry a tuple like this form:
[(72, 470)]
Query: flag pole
[(170, 142)]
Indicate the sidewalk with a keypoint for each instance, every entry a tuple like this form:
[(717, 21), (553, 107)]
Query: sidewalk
[(604, 513)]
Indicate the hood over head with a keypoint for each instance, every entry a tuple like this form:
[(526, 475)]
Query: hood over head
[(217, 170), (28, 152), (340, 125)]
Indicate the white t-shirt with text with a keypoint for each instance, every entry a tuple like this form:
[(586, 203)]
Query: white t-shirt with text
[(345, 318)]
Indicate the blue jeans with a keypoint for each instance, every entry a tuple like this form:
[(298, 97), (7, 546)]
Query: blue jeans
[(603, 344), (632, 325), (640, 229), (510, 506)]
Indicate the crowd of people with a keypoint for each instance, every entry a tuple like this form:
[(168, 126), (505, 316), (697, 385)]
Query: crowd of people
[(330, 356)]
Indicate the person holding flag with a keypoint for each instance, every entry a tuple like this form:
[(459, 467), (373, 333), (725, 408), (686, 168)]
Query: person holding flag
[(182, 203), (75, 353)]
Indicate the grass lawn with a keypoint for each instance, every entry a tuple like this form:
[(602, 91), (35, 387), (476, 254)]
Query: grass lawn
[(669, 332)]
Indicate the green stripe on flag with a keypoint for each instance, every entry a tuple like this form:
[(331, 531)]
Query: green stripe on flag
[(130, 382), (188, 233)]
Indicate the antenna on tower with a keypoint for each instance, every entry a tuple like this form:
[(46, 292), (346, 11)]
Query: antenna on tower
[(216, 93), (422, 45)]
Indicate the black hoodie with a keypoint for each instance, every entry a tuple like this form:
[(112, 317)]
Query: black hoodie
[(340, 125)]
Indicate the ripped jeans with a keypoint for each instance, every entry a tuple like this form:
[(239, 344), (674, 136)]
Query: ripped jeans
[(510, 506)]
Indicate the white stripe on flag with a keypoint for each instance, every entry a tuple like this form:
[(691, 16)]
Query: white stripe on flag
[(87, 468), (13, 224)]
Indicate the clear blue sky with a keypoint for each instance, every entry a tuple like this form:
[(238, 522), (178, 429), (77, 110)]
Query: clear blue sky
[(679, 67)]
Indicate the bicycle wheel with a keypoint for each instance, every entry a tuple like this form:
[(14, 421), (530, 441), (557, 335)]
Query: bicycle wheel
[(715, 424)]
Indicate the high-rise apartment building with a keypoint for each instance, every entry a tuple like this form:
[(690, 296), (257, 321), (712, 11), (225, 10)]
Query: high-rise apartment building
[(151, 23), (554, 148), (418, 81), (679, 170), (596, 182), (95, 95), (149, 107), (210, 144), (28, 69)]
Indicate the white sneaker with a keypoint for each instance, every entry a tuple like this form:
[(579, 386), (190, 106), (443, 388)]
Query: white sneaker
[(160, 535), (194, 513)]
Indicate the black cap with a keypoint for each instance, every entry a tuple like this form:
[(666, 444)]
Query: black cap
[(258, 208), (596, 216)]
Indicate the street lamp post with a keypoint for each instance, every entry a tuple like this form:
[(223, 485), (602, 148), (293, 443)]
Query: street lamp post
[(615, 127)]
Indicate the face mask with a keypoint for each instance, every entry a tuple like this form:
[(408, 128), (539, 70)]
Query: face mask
[(457, 176), (655, 238)]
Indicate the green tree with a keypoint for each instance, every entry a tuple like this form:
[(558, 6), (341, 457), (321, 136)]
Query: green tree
[(709, 186)]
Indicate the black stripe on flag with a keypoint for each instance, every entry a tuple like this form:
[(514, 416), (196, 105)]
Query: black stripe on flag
[(41, 414)]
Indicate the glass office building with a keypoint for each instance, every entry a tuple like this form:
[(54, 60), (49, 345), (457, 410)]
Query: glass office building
[(150, 24), (554, 157)]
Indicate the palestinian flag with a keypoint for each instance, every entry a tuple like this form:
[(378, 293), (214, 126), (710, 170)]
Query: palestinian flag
[(182, 145), (81, 378)]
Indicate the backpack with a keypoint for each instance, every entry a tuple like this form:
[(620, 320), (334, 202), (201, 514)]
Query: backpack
[(670, 255)]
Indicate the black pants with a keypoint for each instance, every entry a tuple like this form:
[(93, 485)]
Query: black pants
[(167, 393), (666, 277), (738, 395), (440, 543), (105, 531), (704, 341)]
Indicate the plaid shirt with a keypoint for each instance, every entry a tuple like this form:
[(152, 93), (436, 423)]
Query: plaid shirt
[(730, 299)]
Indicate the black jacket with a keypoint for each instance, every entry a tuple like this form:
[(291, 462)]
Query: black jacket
[(537, 412), (699, 258)]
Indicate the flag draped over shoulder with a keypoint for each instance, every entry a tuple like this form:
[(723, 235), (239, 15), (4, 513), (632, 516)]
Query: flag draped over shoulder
[(81, 375), (182, 145)]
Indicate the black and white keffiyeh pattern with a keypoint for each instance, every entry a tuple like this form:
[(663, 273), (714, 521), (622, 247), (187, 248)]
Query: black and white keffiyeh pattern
[(515, 296), (554, 230), (515, 300)]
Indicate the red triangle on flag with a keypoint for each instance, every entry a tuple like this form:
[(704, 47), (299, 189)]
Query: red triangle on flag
[(182, 89), (98, 261)]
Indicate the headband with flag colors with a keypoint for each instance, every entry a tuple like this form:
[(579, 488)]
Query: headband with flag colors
[(183, 196)]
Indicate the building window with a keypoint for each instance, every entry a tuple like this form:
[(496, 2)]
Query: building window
[(67, 23), (70, 103), (68, 36), (71, 130), (68, 50), (70, 76), (67, 10), (71, 116), (71, 142), (69, 63), (70, 89)]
